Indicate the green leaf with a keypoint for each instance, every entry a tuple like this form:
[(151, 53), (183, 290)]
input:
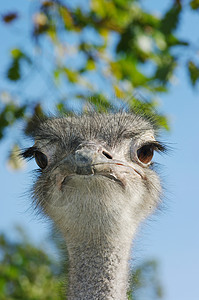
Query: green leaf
[(14, 72), (170, 21), (126, 68), (9, 114), (90, 64), (165, 69), (126, 39), (56, 75), (174, 41), (193, 72), (18, 54), (194, 4), (72, 75), (66, 16)]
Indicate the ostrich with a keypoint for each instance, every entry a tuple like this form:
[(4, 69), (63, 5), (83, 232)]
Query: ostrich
[(96, 183)]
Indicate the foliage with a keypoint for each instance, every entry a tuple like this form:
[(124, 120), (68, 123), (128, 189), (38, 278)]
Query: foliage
[(28, 272), (194, 4), (145, 282), (194, 72), (112, 53)]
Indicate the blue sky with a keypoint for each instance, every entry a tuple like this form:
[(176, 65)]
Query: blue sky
[(172, 237)]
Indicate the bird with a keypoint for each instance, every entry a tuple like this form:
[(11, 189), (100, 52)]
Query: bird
[(97, 183)]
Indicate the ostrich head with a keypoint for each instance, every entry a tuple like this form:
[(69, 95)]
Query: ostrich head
[(97, 184)]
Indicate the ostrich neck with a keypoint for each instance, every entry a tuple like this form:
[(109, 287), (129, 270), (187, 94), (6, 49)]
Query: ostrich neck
[(98, 227), (98, 272)]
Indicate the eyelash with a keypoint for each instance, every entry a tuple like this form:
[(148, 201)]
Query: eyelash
[(157, 146), (29, 153)]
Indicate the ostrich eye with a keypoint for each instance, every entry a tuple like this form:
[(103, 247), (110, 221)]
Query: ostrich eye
[(41, 159), (145, 153)]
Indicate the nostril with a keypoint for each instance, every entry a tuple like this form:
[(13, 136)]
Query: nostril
[(107, 154)]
